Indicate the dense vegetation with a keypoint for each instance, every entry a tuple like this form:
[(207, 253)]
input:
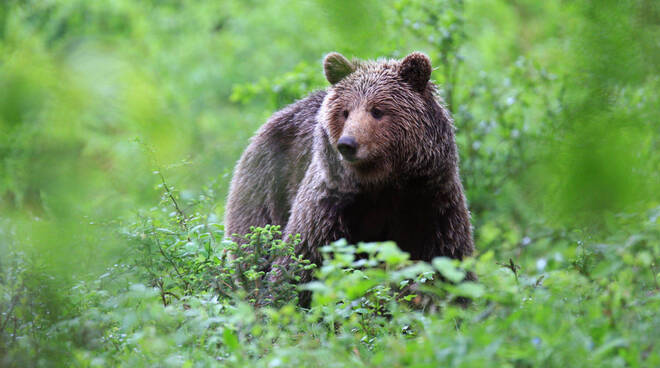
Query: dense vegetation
[(120, 122)]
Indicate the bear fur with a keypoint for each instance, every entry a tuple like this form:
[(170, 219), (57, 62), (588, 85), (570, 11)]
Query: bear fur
[(372, 158)]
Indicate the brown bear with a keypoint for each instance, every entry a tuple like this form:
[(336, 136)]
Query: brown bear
[(372, 158)]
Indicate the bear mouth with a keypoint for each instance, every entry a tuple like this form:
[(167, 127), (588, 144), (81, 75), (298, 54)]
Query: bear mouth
[(363, 167)]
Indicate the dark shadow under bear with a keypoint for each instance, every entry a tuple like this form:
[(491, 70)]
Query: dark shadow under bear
[(372, 158)]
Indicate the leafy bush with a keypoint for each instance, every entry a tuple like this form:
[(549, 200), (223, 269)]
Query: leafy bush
[(598, 305)]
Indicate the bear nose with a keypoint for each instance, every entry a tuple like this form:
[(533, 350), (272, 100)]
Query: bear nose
[(347, 146)]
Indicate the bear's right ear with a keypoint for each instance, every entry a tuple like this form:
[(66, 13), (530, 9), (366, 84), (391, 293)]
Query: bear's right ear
[(337, 67), (416, 70)]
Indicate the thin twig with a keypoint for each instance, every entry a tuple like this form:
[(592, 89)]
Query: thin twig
[(14, 301), (182, 215), (512, 266), (176, 269)]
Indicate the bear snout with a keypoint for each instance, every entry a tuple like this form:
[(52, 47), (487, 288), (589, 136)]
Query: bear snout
[(348, 147)]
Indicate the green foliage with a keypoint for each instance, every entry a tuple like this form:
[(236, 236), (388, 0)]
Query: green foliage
[(185, 255), (104, 262), (363, 312), (281, 90)]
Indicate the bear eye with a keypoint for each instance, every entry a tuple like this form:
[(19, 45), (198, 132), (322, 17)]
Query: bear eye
[(377, 113), (345, 113)]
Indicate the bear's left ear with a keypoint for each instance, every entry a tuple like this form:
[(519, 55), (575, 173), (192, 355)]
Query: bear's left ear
[(337, 67), (416, 70)]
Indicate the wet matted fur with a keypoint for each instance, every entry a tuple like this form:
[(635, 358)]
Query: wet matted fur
[(402, 182)]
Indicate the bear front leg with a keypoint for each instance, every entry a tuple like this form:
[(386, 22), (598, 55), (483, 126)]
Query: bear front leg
[(315, 216), (453, 235)]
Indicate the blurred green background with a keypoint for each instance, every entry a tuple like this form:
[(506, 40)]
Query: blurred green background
[(556, 106)]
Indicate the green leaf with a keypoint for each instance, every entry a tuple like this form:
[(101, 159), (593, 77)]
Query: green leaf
[(230, 339), (446, 267), (391, 254), (469, 290)]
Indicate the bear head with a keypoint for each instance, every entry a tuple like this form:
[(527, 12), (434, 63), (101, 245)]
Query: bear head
[(382, 117)]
